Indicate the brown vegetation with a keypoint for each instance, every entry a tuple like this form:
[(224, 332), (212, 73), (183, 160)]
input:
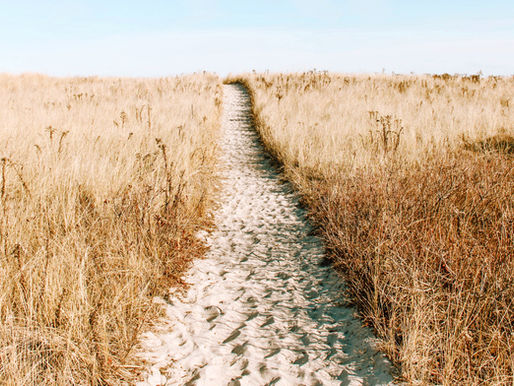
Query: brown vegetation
[(103, 184), (411, 182)]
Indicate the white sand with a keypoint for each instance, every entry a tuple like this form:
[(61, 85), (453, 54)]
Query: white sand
[(261, 308)]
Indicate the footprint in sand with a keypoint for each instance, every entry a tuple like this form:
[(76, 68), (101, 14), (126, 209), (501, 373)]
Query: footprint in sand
[(263, 307)]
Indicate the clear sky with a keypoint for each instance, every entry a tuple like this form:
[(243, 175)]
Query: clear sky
[(158, 37)]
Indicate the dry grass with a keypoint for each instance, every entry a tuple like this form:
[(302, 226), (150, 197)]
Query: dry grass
[(103, 184), (411, 181)]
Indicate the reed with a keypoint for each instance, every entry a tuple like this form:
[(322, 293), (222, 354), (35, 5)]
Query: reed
[(97, 217), (410, 180)]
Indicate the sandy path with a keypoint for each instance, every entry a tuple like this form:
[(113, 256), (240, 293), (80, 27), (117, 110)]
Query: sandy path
[(262, 309)]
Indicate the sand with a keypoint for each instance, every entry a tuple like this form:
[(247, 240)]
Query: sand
[(262, 308)]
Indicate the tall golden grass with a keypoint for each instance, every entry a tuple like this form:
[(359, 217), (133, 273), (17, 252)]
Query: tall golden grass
[(103, 184), (411, 182)]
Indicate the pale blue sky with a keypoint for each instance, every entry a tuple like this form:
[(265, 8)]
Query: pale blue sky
[(155, 38)]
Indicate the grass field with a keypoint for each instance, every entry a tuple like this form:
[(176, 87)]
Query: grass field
[(103, 184), (411, 182)]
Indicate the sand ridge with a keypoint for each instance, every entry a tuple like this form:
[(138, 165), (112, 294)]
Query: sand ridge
[(262, 307)]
